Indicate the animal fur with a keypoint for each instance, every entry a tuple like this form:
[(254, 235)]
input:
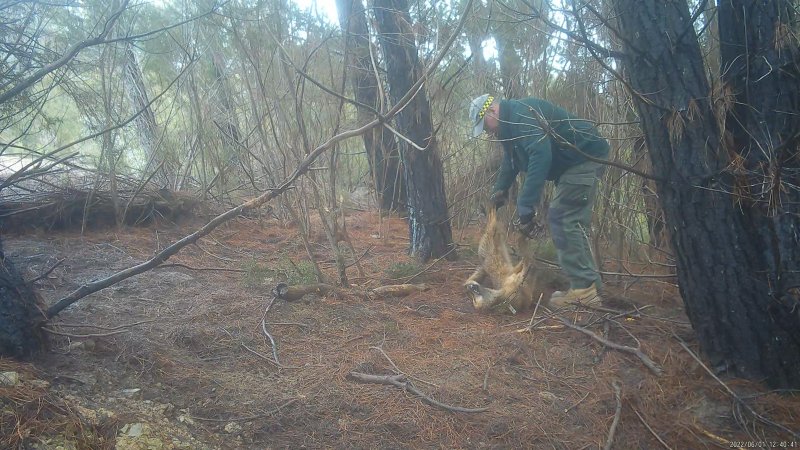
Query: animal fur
[(498, 283)]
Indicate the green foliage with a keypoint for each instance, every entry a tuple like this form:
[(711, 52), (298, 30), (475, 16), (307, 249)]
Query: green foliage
[(468, 251), (545, 249), (256, 274), (300, 273), (402, 270)]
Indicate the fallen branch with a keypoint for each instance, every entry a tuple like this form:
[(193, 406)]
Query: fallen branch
[(401, 382), (397, 369), (398, 290), (720, 440), (264, 329), (83, 336), (47, 272), (617, 414), (650, 429), (71, 325), (111, 331), (655, 368)]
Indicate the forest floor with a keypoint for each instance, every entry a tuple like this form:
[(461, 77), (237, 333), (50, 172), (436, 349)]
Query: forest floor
[(192, 368)]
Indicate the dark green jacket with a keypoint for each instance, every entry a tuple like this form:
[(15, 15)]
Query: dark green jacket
[(539, 150)]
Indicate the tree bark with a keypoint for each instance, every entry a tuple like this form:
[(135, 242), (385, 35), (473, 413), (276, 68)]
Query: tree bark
[(381, 147), (428, 220), (20, 315), (723, 269)]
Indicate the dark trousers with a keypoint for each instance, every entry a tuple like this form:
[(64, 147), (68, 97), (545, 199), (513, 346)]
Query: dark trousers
[(570, 220)]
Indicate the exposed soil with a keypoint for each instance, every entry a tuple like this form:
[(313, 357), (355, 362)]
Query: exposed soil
[(196, 369)]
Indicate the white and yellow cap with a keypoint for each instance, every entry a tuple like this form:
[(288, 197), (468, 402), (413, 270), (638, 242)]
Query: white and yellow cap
[(477, 110)]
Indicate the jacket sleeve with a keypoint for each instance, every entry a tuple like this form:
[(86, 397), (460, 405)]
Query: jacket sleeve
[(507, 173), (540, 156)]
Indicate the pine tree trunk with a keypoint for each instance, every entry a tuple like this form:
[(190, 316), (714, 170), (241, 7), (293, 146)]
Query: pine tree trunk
[(20, 316), (741, 322), (429, 223), (380, 145)]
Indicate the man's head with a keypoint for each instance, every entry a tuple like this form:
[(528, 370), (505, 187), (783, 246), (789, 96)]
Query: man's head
[(483, 112)]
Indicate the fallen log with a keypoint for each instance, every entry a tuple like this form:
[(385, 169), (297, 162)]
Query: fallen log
[(398, 290)]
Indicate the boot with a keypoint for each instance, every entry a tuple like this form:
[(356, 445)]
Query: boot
[(583, 297)]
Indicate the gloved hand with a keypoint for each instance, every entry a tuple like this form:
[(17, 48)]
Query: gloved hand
[(527, 226), (498, 199)]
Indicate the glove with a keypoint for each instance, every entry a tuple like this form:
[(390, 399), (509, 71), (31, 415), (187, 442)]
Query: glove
[(526, 226), (498, 199)]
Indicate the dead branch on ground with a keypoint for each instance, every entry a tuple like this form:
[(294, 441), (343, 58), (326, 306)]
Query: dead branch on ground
[(402, 382), (110, 331), (83, 336), (264, 328), (397, 369), (617, 414), (47, 272), (651, 430), (652, 365)]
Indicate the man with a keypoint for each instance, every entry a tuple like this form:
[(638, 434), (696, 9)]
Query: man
[(548, 143)]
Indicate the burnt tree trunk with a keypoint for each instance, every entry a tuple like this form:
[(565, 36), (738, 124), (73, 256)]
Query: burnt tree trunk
[(742, 323), (428, 220), (383, 155), (20, 315), (759, 52)]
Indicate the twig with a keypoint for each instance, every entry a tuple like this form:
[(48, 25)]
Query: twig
[(111, 331), (535, 309), (617, 414), (655, 368), (262, 356), (246, 418), (264, 329), (297, 324), (577, 403), (429, 265), (69, 325), (651, 429), (717, 439), (401, 382), (734, 394), (397, 369), (47, 272), (219, 269), (83, 336)]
